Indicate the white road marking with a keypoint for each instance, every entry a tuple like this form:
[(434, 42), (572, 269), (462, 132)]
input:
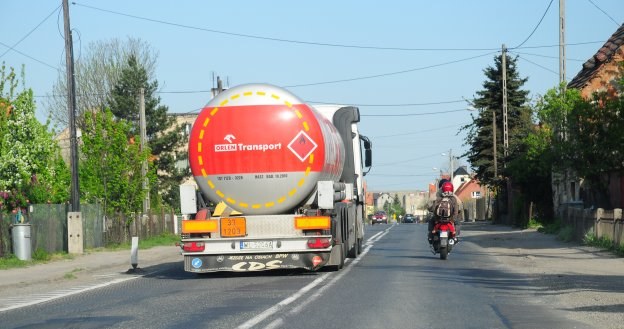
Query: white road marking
[(281, 305), (11, 304)]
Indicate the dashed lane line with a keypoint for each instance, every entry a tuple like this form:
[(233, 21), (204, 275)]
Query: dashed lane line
[(302, 292)]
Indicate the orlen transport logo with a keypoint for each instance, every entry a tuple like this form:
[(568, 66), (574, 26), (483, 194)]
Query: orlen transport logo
[(233, 147)]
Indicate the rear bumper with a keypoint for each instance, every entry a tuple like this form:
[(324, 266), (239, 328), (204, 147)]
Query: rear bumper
[(199, 263)]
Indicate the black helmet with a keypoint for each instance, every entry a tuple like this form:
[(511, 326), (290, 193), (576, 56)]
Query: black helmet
[(442, 181)]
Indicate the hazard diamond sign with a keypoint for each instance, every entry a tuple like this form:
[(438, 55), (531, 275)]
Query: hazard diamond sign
[(302, 145)]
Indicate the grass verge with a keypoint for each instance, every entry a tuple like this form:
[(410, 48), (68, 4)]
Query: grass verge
[(40, 256), (603, 243)]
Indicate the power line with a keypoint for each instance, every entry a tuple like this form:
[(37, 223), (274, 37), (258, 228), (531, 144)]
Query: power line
[(544, 56), (536, 26), (31, 31), (400, 175), (417, 132), (306, 101), (411, 114), (407, 160), (604, 12), (390, 105), (390, 73), (260, 37), (543, 67), (34, 59), (566, 44)]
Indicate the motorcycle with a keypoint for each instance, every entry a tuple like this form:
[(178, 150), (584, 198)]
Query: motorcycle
[(444, 238)]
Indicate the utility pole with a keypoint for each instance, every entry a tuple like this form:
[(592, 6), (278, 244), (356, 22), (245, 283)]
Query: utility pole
[(71, 105), (505, 130), (142, 124), (451, 163), (494, 143), (216, 91), (562, 59)]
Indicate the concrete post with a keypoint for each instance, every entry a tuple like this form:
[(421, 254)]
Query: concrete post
[(599, 215), (75, 238), (617, 217)]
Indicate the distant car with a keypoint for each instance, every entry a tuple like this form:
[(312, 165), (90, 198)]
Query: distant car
[(380, 217), (409, 218)]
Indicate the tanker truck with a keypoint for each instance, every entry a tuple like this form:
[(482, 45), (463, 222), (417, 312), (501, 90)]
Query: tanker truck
[(287, 178)]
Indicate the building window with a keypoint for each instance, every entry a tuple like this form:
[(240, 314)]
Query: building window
[(476, 194)]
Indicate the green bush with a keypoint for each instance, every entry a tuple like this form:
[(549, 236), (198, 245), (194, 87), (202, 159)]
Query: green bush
[(11, 262), (566, 234), (41, 255), (620, 250), (603, 243), (551, 228), (534, 223)]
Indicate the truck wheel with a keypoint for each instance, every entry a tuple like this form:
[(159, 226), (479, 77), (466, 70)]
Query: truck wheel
[(354, 251)]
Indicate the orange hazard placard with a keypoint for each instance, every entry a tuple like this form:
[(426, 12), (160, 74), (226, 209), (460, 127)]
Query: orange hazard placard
[(233, 227)]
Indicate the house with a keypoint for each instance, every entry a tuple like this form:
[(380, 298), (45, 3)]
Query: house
[(599, 74), (460, 176), (475, 199), (470, 190), (600, 71), (369, 204)]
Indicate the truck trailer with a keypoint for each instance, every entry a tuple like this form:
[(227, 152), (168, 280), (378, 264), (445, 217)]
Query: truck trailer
[(288, 178)]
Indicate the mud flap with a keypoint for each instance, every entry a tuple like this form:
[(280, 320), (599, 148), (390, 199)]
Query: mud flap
[(336, 257)]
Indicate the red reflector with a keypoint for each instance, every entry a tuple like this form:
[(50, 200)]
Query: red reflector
[(193, 246), (316, 260), (318, 243)]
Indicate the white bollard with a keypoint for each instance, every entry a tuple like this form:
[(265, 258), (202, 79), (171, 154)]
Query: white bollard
[(134, 252)]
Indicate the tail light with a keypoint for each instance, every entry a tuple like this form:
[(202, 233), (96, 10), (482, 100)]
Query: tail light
[(319, 243), (193, 246)]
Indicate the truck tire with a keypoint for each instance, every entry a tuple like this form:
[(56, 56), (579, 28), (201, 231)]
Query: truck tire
[(359, 245), (351, 220)]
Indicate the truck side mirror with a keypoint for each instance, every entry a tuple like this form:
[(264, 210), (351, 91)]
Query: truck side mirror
[(368, 157), (367, 144)]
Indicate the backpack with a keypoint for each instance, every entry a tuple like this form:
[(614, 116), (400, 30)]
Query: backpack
[(444, 208)]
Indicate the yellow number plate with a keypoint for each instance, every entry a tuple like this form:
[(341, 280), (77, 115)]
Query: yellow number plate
[(233, 227)]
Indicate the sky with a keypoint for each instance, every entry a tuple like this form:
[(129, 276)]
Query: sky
[(409, 66)]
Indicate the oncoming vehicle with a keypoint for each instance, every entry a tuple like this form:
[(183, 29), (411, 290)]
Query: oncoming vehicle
[(380, 217), (409, 218)]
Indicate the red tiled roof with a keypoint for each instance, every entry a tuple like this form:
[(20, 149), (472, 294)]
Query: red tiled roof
[(603, 55)]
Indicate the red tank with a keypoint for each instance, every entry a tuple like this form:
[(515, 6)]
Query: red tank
[(261, 150)]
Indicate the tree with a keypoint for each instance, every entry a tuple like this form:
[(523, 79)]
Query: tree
[(163, 135), (31, 167), (97, 71), (110, 170), (480, 132)]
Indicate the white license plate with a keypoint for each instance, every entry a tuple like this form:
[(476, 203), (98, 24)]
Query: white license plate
[(256, 244), (444, 234)]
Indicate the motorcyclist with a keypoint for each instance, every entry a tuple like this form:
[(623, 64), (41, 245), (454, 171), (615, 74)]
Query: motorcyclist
[(446, 190)]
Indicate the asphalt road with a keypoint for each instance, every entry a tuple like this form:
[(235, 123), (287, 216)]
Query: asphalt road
[(396, 283)]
